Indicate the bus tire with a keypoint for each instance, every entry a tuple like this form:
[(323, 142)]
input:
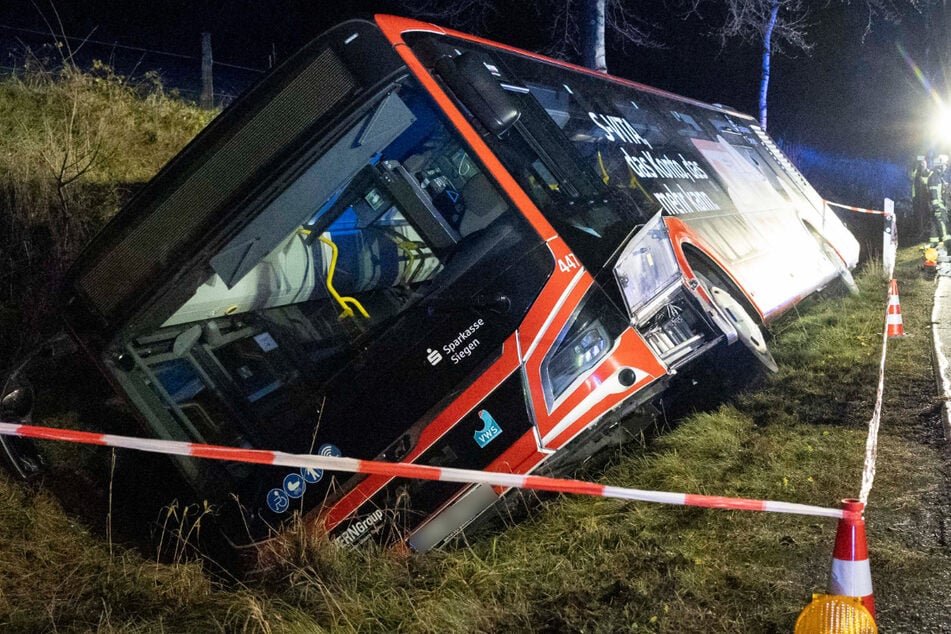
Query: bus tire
[(747, 328)]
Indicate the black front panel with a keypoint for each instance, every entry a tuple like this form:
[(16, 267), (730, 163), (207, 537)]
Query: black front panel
[(473, 443)]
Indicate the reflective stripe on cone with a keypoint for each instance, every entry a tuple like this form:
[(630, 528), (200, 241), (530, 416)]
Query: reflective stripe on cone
[(893, 323), (851, 573)]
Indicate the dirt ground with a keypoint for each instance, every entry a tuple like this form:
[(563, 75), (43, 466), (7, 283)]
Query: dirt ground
[(920, 606)]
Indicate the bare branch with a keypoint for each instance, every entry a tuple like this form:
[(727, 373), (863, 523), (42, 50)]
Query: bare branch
[(469, 15), (622, 24), (747, 20), (630, 26)]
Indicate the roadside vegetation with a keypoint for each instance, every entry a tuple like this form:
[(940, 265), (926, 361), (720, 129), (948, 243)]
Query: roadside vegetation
[(576, 564), (73, 146)]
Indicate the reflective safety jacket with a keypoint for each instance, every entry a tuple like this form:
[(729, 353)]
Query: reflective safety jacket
[(938, 189)]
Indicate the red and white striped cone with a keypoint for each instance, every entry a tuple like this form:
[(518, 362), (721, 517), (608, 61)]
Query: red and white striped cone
[(851, 573), (893, 321)]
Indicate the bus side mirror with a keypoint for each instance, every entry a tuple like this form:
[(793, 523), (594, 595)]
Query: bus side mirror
[(18, 456), (16, 403), (474, 86)]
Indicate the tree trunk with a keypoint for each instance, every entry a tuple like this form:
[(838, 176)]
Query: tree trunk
[(207, 99), (767, 53), (593, 35)]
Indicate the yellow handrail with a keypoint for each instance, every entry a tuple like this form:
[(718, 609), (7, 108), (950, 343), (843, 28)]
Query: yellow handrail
[(410, 248), (343, 301)]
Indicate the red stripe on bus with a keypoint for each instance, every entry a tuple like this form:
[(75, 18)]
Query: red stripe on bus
[(717, 502)]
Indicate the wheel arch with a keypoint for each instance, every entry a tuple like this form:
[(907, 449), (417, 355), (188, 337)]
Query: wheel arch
[(700, 262)]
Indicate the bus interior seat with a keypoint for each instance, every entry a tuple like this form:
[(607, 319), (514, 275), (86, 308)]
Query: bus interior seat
[(416, 163), (483, 244), (368, 259)]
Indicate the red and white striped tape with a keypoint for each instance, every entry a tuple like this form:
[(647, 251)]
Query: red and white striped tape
[(874, 423), (858, 209), (416, 471)]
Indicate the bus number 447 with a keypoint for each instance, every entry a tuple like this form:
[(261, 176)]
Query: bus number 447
[(568, 263)]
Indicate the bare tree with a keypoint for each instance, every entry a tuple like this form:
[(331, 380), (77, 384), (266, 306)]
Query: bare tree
[(578, 30), (761, 21), (781, 25)]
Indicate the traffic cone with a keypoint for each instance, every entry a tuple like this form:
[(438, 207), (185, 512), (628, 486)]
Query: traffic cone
[(893, 322), (851, 574)]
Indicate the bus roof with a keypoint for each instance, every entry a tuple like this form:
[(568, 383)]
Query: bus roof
[(393, 28)]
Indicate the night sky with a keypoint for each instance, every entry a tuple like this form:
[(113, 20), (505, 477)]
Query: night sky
[(850, 97)]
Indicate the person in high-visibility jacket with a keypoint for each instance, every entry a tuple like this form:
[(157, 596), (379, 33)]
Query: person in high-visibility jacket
[(921, 199), (937, 187)]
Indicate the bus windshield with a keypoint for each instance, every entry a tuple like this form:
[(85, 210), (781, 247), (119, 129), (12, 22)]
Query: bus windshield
[(391, 243)]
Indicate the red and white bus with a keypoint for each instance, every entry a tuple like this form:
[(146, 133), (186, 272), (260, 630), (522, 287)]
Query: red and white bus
[(411, 244)]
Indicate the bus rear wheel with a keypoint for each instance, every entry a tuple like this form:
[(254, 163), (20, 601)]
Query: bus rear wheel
[(747, 329)]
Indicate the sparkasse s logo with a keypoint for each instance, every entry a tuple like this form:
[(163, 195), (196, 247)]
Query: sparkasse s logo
[(433, 356)]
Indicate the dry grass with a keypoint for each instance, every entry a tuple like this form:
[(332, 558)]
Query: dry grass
[(73, 146)]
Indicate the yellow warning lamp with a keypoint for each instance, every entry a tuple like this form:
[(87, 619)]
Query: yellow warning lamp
[(834, 614), (931, 254)]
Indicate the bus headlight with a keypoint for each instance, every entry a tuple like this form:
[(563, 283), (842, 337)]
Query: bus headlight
[(571, 359), (585, 340)]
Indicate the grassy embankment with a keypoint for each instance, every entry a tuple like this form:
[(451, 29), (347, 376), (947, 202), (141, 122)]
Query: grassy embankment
[(73, 146), (578, 564)]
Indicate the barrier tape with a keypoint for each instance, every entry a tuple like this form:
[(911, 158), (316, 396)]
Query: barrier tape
[(871, 443), (416, 471), (941, 360), (878, 212)]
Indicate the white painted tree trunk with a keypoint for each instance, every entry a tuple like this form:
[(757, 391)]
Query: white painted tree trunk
[(593, 35), (767, 53)]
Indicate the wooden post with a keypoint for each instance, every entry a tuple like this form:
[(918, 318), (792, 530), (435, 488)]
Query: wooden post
[(207, 100)]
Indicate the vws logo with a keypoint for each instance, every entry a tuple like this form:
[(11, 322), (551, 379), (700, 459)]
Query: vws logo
[(490, 429)]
